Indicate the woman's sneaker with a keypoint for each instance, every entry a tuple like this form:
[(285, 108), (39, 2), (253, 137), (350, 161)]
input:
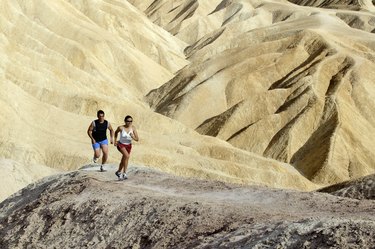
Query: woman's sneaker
[(124, 176), (95, 159), (118, 174)]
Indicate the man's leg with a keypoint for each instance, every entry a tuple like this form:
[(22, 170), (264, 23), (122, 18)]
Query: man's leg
[(96, 147), (105, 153), (104, 147)]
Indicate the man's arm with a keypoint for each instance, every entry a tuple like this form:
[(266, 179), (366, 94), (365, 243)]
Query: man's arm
[(111, 132), (116, 133), (89, 132)]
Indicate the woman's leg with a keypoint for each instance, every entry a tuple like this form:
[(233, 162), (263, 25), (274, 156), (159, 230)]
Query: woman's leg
[(124, 160), (120, 164)]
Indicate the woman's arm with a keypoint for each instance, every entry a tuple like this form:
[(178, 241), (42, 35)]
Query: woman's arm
[(134, 134)]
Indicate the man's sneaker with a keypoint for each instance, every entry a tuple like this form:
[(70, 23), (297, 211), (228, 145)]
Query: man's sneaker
[(101, 168), (95, 159), (124, 176), (118, 174)]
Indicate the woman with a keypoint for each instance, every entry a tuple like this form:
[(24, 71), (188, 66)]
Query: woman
[(124, 145)]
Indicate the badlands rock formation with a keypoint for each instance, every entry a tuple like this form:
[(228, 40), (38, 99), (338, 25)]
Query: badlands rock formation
[(289, 82), (61, 61), (338, 4), (224, 93), (88, 209), (286, 88)]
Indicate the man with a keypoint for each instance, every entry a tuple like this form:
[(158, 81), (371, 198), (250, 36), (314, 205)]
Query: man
[(97, 131)]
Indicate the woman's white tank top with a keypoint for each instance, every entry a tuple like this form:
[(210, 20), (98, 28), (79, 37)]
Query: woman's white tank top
[(125, 137)]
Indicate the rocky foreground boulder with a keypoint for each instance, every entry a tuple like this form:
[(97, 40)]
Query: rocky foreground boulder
[(89, 209), (362, 188)]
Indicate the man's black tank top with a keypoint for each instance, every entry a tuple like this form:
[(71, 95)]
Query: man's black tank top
[(100, 130)]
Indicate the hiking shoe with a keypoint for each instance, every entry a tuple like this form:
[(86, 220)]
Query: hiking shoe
[(121, 177), (118, 174), (101, 168), (95, 159)]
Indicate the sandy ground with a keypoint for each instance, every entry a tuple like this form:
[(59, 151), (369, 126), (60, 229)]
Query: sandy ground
[(90, 209)]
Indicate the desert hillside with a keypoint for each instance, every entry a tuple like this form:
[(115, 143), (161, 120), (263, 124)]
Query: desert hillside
[(89, 209), (273, 93), (288, 82)]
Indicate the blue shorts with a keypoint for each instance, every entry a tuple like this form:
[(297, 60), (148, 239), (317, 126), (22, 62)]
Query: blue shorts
[(97, 145)]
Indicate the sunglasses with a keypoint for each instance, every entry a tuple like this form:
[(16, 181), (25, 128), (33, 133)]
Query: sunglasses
[(129, 121)]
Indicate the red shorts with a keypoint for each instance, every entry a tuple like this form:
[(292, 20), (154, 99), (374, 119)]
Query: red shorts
[(128, 147)]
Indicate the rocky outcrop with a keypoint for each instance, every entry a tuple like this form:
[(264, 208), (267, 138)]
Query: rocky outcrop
[(362, 188), (89, 209)]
